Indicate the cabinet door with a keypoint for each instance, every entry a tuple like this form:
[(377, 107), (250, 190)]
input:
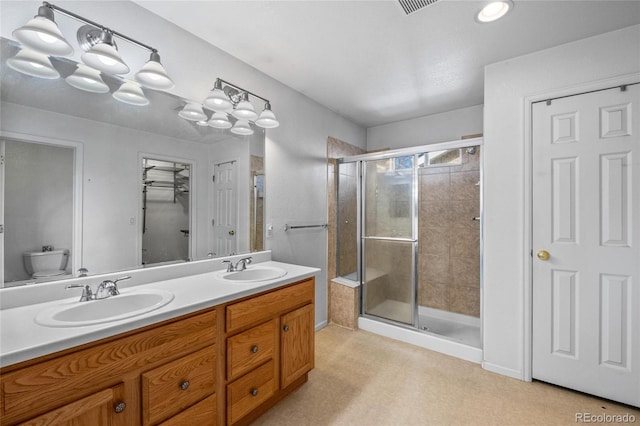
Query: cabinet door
[(102, 408), (297, 340)]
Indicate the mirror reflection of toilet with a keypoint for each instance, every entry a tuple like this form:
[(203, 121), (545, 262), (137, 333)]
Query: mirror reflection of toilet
[(42, 264)]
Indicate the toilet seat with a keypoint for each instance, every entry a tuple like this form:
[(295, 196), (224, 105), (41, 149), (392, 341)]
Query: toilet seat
[(50, 273)]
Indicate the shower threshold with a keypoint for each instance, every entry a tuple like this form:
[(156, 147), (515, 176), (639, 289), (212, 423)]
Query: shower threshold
[(423, 339)]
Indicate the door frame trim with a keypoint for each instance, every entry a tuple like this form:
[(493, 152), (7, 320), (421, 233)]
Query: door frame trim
[(527, 343)]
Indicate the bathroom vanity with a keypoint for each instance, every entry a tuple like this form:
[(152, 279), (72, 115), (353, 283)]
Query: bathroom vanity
[(227, 360)]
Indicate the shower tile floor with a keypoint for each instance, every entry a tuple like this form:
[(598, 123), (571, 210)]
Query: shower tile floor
[(395, 310)]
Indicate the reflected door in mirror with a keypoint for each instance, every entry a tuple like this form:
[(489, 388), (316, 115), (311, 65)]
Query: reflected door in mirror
[(225, 219), (165, 211), (37, 208)]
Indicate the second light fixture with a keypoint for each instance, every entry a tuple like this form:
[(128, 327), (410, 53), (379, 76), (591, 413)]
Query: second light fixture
[(226, 98)]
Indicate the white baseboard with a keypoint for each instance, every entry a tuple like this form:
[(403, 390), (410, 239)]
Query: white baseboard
[(321, 325), (515, 374)]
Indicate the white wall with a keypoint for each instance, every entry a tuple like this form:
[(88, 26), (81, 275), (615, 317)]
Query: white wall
[(443, 127), (507, 85), (295, 160)]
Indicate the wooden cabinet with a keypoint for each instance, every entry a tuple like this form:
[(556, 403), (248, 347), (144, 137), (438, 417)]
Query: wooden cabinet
[(102, 408), (175, 386), (270, 349), (297, 343), (94, 379), (226, 364)]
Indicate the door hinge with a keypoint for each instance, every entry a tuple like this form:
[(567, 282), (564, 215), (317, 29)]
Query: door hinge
[(1, 229), (213, 222), (213, 178)]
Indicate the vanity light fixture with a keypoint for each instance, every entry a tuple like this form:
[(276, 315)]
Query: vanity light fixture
[(33, 63), (242, 127), (101, 52), (226, 98), (267, 118), (131, 93), (87, 79), (494, 10), (219, 120), (193, 112), (43, 35), (244, 109), (218, 100), (153, 75)]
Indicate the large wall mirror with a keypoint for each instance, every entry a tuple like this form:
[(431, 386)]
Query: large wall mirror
[(92, 185)]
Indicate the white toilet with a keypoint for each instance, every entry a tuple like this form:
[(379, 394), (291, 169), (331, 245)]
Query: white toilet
[(43, 264)]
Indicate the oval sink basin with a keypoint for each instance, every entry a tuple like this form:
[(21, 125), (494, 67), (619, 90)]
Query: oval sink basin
[(254, 274), (124, 305)]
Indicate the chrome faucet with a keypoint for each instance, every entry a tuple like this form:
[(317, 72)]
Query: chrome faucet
[(87, 294), (106, 288), (240, 265)]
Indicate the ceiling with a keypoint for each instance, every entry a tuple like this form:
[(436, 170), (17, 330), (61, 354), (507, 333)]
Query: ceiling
[(372, 63)]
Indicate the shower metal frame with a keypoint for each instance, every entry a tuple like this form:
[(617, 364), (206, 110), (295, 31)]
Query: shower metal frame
[(361, 208)]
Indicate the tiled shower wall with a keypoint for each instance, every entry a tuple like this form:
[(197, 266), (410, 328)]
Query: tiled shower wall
[(449, 238)]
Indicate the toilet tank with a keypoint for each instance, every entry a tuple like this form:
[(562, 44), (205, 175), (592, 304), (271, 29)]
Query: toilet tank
[(40, 261)]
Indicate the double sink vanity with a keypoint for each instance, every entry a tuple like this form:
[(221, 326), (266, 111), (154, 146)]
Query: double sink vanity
[(180, 344)]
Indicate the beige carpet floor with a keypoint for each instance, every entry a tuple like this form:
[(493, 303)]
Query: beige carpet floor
[(364, 379)]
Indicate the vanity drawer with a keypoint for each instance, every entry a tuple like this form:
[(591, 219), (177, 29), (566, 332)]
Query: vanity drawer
[(171, 388), (249, 391), (251, 348), (201, 414), (257, 309)]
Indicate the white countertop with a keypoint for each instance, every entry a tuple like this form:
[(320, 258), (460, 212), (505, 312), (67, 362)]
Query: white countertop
[(22, 339)]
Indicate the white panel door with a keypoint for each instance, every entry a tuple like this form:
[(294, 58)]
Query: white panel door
[(586, 219), (225, 217)]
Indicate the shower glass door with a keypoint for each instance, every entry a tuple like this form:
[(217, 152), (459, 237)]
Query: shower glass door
[(389, 239)]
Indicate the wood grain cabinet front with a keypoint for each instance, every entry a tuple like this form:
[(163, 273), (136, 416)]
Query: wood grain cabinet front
[(251, 348), (173, 387), (76, 377), (270, 359), (104, 408), (297, 342), (251, 390)]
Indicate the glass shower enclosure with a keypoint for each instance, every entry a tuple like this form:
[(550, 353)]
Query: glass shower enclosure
[(415, 244)]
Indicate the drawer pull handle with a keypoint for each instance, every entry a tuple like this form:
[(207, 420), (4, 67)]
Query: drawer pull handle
[(285, 328), (254, 349), (254, 392), (184, 385), (119, 407)]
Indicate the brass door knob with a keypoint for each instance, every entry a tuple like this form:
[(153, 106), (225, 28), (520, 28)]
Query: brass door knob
[(543, 255), (232, 233)]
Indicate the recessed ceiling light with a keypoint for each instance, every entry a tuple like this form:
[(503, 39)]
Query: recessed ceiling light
[(494, 10)]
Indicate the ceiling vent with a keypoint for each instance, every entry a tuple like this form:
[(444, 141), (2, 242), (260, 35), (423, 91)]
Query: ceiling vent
[(410, 6)]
